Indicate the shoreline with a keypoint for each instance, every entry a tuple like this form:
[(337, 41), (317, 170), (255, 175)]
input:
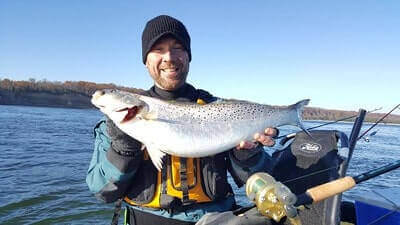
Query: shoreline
[(89, 107)]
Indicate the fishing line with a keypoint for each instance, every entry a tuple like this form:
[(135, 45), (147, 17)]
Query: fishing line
[(387, 214), (388, 200), (377, 122), (342, 119), (342, 184), (381, 217), (328, 123), (310, 174)]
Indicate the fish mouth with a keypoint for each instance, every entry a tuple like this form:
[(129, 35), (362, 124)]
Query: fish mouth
[(131, 113)]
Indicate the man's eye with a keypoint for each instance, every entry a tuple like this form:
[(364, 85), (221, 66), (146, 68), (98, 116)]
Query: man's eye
[(178, 48)]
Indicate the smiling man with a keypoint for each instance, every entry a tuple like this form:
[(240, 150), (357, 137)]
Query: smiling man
[(168, 63), (186, 188)]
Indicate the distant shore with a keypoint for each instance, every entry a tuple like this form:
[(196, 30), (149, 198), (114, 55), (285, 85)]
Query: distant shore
[(77, 94), (80, 101), (45, 99)]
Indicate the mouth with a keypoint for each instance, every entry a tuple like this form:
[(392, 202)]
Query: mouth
[(131, 113), (171, 71)]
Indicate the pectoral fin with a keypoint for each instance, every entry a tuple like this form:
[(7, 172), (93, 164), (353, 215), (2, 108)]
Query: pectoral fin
[(156, 156), (150, 116)]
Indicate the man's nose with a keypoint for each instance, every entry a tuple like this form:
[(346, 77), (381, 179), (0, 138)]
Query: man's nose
[(169, 56)]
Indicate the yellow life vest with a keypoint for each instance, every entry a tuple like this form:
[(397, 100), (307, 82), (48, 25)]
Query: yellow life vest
[(180, 178)]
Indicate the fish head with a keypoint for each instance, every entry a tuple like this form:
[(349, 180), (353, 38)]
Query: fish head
[(119, 106)]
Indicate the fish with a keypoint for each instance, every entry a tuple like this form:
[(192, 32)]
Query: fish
[(188, 129)]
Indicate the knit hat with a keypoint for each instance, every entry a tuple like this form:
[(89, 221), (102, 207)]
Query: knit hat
[(160, 26)]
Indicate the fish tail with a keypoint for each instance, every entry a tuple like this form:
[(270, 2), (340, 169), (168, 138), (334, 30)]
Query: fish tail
[(299, 108)]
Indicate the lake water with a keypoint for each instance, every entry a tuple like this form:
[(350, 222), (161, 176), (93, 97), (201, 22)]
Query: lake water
[(45, 153)]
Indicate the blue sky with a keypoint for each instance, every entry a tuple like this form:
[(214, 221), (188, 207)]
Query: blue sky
[(340, 54)]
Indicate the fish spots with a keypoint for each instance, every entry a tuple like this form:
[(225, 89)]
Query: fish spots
[(218, 112)]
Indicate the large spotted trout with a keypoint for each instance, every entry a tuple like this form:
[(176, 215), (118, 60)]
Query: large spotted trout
[(190, 129)]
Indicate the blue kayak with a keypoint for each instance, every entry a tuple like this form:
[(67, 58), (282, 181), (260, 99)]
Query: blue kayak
[(378, 207)]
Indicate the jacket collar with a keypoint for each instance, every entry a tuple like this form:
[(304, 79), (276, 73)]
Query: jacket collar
[(185, 93)]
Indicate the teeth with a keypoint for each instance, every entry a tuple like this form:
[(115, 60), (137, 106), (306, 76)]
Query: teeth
[(169, 70)]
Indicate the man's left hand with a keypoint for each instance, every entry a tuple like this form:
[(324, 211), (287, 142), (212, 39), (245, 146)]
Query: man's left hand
[(265, 139)]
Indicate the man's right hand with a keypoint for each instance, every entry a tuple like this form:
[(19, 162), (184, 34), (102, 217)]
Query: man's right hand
[(266, 139)]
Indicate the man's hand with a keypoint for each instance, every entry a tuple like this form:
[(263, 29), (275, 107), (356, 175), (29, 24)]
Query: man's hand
[(265, 139)]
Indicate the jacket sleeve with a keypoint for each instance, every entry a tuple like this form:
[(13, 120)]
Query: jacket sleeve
[(244, 163), (109, 172)]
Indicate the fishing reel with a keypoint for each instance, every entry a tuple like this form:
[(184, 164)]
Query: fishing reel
[(273, 199)]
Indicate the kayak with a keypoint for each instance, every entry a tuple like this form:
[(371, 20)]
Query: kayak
[(379, 207)]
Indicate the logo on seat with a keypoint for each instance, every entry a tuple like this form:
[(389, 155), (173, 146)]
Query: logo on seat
[(310, 147)]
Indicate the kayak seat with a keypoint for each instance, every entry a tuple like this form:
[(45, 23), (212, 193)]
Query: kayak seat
[(306, 162)]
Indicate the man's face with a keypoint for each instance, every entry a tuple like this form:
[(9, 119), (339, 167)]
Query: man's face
[(168, 63)]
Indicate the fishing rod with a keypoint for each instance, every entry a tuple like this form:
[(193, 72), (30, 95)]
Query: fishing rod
[(275, 200), (332, 188), (324, 124), (378, 121), (353, 136), (342, 119)]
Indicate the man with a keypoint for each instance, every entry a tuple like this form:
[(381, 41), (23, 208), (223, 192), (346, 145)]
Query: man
[(186, 188)]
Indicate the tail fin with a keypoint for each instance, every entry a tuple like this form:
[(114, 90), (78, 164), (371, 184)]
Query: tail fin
[(299, 107)]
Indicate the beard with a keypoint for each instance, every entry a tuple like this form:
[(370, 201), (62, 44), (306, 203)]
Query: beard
[(171, 76), (171, 83)]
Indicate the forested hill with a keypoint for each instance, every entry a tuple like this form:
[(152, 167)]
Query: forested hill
[(76, 94), (72, 94)]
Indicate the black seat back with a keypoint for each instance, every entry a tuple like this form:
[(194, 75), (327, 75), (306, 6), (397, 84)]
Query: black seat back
[(310, 161)]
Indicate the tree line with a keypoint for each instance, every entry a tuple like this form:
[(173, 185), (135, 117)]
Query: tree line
[(85, 88), (311, 113), (56, 87)]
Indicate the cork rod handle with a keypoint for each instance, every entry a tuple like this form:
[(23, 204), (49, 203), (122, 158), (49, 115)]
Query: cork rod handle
[(330, 189)]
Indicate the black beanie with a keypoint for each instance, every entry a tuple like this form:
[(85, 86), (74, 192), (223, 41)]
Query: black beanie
[(160, 26)]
